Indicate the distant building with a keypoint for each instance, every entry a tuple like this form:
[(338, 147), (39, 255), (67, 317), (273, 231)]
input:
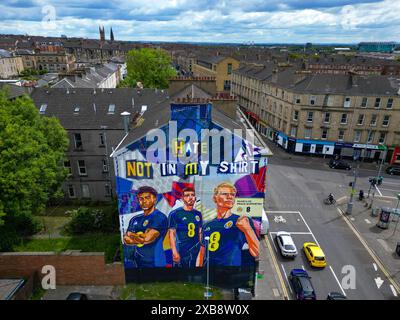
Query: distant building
[(98, 76), (218, 67), (10, 65), (383, 47)]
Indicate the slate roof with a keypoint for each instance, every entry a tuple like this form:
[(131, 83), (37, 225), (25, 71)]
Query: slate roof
[(14, 91), (94, 105)]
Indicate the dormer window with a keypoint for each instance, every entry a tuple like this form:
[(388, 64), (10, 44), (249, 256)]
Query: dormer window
[(43, 108), (76, 109), (111, 109)]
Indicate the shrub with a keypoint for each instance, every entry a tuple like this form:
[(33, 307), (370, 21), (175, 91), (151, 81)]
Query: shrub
[(86, 220)]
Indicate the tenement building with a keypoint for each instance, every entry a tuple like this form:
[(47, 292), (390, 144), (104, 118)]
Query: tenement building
[(349, 115)]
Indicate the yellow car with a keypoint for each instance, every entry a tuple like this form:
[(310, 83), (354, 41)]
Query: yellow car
[(314, 254)]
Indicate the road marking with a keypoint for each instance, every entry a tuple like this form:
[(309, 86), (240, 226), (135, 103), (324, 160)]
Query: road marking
[(299, 233), (285, 293), (315, 239), (273, 242), (340, 199), (375, 266), (337, 280), (276, 292), (287, 279), (352, 219), (282, 211), (367, 221), (371, 253), (390, 189), (379, 191), (393, 290), (279, 219), (392, 183), (303, 268), (379, 282)]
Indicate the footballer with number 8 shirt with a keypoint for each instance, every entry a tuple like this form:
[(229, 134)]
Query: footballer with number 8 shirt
[(185, 228), (228, 232)]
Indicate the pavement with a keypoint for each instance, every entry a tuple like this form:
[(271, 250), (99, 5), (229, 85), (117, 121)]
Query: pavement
[(297, 186), (93, 292)]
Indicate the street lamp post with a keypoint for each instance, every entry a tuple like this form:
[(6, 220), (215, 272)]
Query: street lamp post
[(398, 216), (207, 293), (353, 188), (379, 174)]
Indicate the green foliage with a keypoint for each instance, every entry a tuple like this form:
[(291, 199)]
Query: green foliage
[(32, 150), (151, 67), (86, 220), (168, 290), (98, 242)]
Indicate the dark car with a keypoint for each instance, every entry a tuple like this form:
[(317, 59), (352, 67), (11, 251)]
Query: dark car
[(77, 296), (339, 164), (335, 296), (393, 170), (301, 284)]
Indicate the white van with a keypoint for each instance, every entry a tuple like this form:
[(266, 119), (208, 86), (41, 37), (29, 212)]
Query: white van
[(264, 223)]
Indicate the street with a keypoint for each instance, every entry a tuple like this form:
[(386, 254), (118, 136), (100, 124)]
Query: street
[(295, 204)]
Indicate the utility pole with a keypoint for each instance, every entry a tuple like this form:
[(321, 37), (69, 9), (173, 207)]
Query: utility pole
[(379, 175), (396, 213), (353, 190)]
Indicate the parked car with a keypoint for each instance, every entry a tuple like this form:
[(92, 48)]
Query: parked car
[(393, 170), (339, 164), (314, 255), (286, 244), (335, 296), (301, 284), (77, 296)]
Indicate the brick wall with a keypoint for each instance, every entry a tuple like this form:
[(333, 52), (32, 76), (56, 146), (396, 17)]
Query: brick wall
[(72, 267)]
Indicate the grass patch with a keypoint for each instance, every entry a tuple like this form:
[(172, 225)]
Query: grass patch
[(53, 225), (168, 290), (99, 242)]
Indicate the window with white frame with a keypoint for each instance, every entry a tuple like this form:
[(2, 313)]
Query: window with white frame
[(357, 136), (378, 103), (327, 117), (307, 133), (293, 132), (360, 120), (347, 102), (324, 135), (85, 191), (71, 191), (341, 135), (389, 104), (78, 140), (386, 120), (364, 102), (382, 137), (371, 136), (343, 120), (374, 119), (295, 115), (67, 165), (313, 100), (82, 168), (310, 116)]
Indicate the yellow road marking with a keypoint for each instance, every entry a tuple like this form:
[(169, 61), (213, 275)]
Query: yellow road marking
[(284, 290)]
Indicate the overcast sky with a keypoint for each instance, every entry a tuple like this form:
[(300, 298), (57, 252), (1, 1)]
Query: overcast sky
[(259, 21)]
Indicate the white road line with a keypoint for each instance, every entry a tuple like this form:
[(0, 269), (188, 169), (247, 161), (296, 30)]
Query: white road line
[(303, 268), (375, 266), (367, 221), (315, 239), (393, 290), (300, 233), (282, 211), (392, 183), (390, 190), (337, 280), (379, 191), (273, 242), (387, 197), (287, 279)]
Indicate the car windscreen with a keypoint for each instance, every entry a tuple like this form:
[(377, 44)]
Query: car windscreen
[(289, 247), (320, 258)]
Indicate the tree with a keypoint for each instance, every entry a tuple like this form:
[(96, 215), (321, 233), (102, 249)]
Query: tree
[(152, 67), (32, 150)]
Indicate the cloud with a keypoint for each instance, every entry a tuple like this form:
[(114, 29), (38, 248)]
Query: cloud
[(211, 21)]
